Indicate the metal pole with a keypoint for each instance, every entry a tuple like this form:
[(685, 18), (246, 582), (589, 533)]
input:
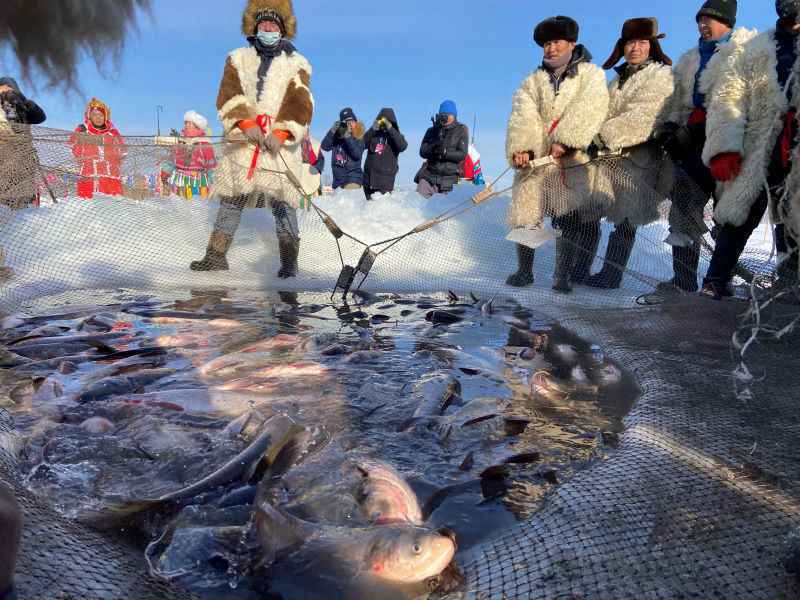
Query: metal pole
[(159, 110)]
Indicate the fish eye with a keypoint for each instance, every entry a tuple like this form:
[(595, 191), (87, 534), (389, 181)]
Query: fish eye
[(417, 549)]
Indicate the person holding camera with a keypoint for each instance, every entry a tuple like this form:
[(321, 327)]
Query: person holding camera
[(19, 163), (684, 135), (384, 144), (444, 147), (345, 142)]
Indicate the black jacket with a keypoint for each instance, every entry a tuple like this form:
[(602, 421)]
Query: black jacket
[(17, 108), (443, 148), (346, 152), (383, 149)]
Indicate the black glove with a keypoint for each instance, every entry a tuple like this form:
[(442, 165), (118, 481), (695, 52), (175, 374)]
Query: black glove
[(343, 130), (676, 141), (336, 126)]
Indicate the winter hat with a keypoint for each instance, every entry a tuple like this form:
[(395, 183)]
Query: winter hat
[(645, 28), (787, 9), (347, 114), (556, 28), (723, 11), (99, 105), (448, 107), (277, 11), (195, 117)]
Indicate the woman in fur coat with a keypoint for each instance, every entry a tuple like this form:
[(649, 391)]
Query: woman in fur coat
[(556, 112), (639, 95), (752, 129), (265, 105)]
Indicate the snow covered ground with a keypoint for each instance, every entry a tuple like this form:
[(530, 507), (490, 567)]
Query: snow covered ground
[(121, 243)]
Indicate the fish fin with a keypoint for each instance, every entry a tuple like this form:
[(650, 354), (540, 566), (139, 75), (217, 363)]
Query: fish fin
[(278, 531), (112, 517), (439, 496), (101, 347)]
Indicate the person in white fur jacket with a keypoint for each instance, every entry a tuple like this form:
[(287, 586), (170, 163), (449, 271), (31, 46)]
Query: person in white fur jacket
[(557, 112), (751, 131), (639, 96), (684, 135)]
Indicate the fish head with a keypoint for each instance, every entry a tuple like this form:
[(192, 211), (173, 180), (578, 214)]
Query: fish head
[(404, 555)]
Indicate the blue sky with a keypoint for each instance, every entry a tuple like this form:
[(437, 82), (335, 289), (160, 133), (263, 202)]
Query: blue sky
[(407, 54)]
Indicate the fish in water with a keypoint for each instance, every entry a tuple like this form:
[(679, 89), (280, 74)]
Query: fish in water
[(200, 401), (276, 434), (121, 384), (397, 554), (433, 394), (443, 317), (307, 369), (385, 497), (545, 385)]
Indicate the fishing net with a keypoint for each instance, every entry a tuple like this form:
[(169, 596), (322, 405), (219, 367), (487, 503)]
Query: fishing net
[(703, 490)]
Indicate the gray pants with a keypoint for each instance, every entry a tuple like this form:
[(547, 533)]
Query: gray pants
[(229, 216)]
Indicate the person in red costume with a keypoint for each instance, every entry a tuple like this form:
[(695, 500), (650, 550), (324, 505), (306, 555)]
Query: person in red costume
[(99, 149), (751, 133)]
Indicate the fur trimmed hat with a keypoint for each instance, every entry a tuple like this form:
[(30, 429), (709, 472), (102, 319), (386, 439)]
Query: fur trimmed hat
[(94, 103), (723, 11), (556, 28), (278, 11), (644, 28), (195, 117)]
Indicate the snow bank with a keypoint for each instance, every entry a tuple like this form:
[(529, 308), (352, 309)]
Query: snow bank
[(123, 243)]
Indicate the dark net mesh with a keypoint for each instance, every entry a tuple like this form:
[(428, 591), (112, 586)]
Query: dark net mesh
[(702, 492)]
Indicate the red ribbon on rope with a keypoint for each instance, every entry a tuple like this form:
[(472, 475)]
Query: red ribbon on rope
[(265, 122)]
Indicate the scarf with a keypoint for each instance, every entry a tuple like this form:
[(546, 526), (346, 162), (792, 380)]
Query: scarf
[(626, 71), (267, 53), (707, 48)]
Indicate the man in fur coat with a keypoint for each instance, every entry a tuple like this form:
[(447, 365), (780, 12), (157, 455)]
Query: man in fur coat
[(639, 95), (751, 130), (265, 105), (684, 135), (556, 112)]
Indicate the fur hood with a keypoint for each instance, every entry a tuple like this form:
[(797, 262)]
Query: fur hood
[(745, 116), (358, 130), (682, 102), (283, 8)]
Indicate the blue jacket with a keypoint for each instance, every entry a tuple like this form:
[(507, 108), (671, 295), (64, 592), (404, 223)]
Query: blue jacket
[(346, 152)]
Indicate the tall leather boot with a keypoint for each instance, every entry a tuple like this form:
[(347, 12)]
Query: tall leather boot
[(685, 262), (289, 250), (566, 253), (215, 258), (524, 275), (787, 271), (618, 253), (590, 240)]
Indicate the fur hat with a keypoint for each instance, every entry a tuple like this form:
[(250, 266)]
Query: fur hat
[(280, 11), (99, 105), (645, 28), (195, 117), (723, 11), (787, 9), (556, 28)]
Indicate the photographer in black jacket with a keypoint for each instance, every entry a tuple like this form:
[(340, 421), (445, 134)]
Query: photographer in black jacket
[(444, 147), (384, 144)]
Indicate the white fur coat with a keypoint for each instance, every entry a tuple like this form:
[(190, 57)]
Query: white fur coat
[(540, 118), (682, 102), (286, 83), (642, 180), (745, 116)]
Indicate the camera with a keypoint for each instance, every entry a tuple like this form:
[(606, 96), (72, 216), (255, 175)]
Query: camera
[(442, 118), (381, 123)]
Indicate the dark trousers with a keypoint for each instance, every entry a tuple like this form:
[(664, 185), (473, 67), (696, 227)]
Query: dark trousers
[(784, 243), (731, 241)]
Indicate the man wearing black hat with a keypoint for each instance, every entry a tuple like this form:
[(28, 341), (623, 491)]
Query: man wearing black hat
[(684, 135), (345, 142), (556, 112), (638, 99), (752, 130)]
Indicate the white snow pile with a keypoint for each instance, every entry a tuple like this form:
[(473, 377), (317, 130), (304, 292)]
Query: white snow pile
[(112, 243)]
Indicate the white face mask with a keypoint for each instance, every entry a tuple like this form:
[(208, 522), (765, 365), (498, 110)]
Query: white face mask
[(269, 38)]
